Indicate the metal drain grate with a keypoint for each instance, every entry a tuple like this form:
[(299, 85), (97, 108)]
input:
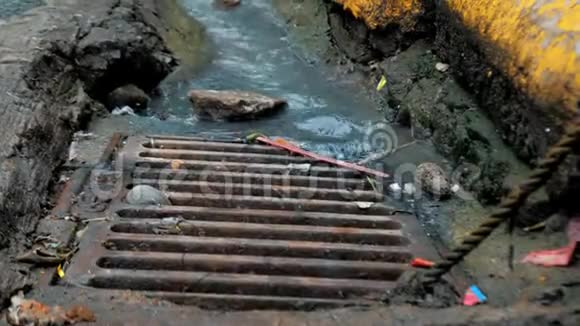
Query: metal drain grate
[(251, 227)]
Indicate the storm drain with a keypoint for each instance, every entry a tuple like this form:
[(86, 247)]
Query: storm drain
[(250, 227)]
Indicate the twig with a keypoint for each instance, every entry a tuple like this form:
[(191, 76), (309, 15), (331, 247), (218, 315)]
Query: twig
[(379, 156)]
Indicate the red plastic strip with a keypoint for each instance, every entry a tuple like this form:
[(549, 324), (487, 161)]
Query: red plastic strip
[(422, 263), (280, 143)]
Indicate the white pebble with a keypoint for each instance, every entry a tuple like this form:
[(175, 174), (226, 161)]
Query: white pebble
[(144, 195), (409, 189), (394, 187), (442, 67)]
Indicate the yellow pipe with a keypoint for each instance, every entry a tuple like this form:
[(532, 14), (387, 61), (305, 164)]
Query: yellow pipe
[(539, 42), (379, 13), (536, 43)]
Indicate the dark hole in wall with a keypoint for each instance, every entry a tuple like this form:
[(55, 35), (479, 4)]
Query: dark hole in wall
[(137, 67)]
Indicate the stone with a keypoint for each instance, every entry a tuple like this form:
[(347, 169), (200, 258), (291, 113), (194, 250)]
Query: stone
[(431, 178), (225, 4), (441, 67), (143, 195), (128, 96), (409, 189), (233, 105)]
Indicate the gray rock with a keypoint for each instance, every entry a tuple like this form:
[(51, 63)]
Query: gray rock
[(128, 95), (226, 4), (431, 178), (147, 195), (233, 105)]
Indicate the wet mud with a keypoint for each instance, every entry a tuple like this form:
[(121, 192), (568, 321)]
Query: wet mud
[(448, 110)]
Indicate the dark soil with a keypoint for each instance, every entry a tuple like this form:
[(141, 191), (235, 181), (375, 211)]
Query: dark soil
[(527, 126)]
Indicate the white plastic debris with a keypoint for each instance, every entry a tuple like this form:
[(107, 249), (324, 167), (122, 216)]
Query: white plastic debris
[(442, 67), (455, 188), (364, 204), (172, 220), (394, 187), (396, 190), (73, 152), (63, 179), (305, 168), (126, 110), (81, 135), (409, 189)]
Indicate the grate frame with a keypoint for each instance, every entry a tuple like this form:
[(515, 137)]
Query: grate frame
[(240, 250)]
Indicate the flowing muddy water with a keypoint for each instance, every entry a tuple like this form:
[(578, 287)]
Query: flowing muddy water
[(251, 51), (14, 7)]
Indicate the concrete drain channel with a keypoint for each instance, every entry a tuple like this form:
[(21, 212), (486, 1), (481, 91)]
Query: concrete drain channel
[(249, 227)]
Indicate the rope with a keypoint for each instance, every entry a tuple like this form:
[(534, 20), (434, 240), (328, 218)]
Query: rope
[(511, 204)]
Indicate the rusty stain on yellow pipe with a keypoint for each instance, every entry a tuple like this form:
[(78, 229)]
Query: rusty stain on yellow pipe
[(380, 13), (539, 41)]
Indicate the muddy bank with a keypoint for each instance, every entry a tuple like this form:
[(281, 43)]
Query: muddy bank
[(490, 132), (442, 110), (419, 96), (57, 63), (529, 126)]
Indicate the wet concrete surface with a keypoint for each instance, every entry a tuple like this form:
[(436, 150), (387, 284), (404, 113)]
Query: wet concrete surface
[(127, 308)]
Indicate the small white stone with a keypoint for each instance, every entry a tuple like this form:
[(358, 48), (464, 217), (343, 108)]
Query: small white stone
[(409, 189), (81, 135), (364, 205), (73, 152), (394, 187), (305, 168), (442, 67), (144, 195)]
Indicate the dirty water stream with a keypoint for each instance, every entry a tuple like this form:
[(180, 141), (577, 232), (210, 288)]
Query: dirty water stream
[(251, 51)]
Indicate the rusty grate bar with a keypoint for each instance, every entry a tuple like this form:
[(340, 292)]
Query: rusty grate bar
[(276, 169), (250, 227)]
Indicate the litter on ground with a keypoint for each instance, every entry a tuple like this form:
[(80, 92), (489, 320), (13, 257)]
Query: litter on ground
[(23, 312), (474, 296), (558, 257)]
